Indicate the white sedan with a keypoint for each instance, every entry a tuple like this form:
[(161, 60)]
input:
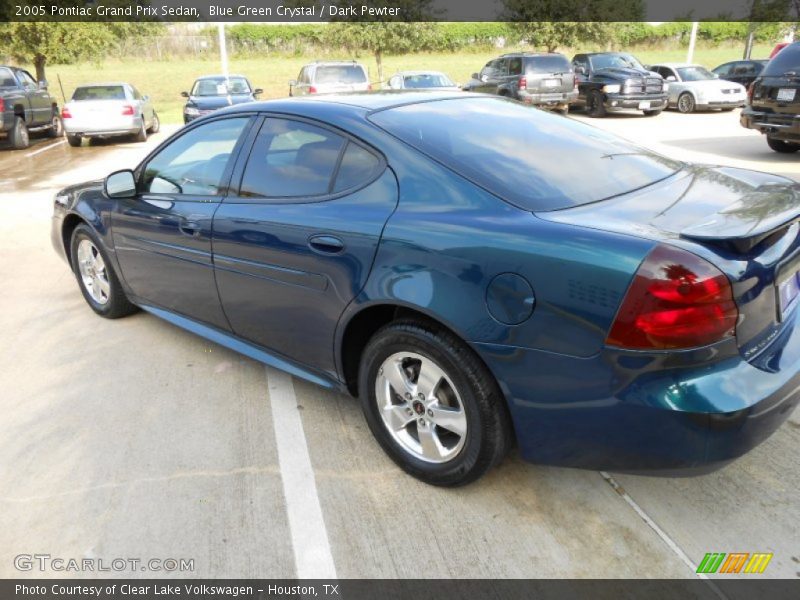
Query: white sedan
[(693, 87), (108, 110)]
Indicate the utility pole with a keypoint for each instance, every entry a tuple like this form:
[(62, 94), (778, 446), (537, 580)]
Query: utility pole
[(223, 50), (692, 40)]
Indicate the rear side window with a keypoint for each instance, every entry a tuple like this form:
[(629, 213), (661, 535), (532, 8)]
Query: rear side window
[(786, 60), (99, 92), (7, 78), (340, 74), (534, 160), (358, 166), (547, 64), (291, 159)]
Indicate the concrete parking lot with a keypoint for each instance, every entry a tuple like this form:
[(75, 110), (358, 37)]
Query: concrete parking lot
[(134, 439)]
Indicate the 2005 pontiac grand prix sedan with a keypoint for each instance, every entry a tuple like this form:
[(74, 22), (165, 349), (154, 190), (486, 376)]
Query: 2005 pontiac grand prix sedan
[(476, 271)]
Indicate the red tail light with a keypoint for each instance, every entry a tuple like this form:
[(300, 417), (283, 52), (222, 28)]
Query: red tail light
[(2, 105), (127, 110), (523, 83), (676, 300), (312, 90), (65, 114)]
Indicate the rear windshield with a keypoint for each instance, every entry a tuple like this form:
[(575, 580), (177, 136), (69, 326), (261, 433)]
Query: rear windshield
[(427, 80), (7, 78), (340, 74), (547, 64), (535, 160), (99, 92), (786, 60)]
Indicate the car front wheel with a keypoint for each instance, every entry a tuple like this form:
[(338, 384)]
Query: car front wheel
[(96, 277), (432, 404), (594, 104), (686, 103), (781, 146), (18, 137)]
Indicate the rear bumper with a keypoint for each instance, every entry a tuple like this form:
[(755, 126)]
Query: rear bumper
[(547, 99), (777, 125), (630, 412), (102, 129)]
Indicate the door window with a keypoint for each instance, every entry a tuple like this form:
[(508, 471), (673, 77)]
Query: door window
[(26, 80), (291, 159), (357, 168), (515, 66), (724, 70), (195, 162)]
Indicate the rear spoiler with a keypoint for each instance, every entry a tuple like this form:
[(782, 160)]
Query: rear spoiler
[(768, 211)]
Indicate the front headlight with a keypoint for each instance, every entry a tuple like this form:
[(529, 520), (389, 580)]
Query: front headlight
[(611, 89), (191, 111)]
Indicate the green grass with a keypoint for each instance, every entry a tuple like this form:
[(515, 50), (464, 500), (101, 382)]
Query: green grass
[(165, 80)]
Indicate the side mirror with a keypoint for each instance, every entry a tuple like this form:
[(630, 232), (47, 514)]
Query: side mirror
[(120, 184), (258, 92), (476, 76), (292, 82), (43, 84), (671, 78), (185, 94)]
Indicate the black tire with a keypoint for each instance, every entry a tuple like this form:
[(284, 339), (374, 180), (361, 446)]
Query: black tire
[(686, 103), (74, 140), (56, 127), (594, 104), (156, 126), (489, 434), (782, 146), (141, 135), (18, 136), (117, 304), (652, 113)]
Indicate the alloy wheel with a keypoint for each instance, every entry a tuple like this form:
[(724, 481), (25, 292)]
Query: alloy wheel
[(420, 407), (93, 272)]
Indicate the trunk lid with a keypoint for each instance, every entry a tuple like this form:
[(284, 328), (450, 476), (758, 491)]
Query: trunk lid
[(545, 83), (744, 222), (778, 94)]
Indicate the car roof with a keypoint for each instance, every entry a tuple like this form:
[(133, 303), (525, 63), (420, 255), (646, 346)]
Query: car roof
[(423, 72), (358, 102), (218, 76), (103, 84), (675, 65), (333, 63)]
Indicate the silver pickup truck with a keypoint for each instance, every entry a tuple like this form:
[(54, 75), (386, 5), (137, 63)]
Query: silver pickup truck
[(26, 106)]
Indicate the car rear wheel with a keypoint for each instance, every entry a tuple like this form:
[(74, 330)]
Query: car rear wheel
[(782, 146), (432, 405), (74, 140), (594, 104), (56, 127), (156, 125), (18, 137), (141, 135), (686, 103), (96, 277)]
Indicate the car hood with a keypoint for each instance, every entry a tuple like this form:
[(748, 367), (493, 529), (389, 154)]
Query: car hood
[(625, 73), (214, 102), (700, 203)]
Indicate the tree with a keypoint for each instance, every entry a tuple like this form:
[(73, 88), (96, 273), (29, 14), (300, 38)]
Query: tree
[(385, 34)]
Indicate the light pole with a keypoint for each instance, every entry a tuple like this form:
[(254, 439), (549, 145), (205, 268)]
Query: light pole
[(692, 40)]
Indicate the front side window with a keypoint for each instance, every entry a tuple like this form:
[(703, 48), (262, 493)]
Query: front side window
[(195, 162), (723, 70), (26, 80), (291, 159), (517, 152)]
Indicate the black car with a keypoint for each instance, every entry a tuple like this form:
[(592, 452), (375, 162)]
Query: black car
[(740, 71), (213, 92), (542, 79), (612, 81), (774, 101)]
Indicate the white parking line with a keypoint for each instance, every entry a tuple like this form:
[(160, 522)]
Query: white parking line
[(312, 552), (40, 150), (661, 533)]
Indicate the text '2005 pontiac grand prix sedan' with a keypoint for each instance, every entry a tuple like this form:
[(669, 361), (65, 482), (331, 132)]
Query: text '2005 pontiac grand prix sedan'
[(479, 273)]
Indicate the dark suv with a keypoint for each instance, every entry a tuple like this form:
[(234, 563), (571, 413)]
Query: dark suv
[(612, 81), (26, 106), (773, 103), (544, 80)]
